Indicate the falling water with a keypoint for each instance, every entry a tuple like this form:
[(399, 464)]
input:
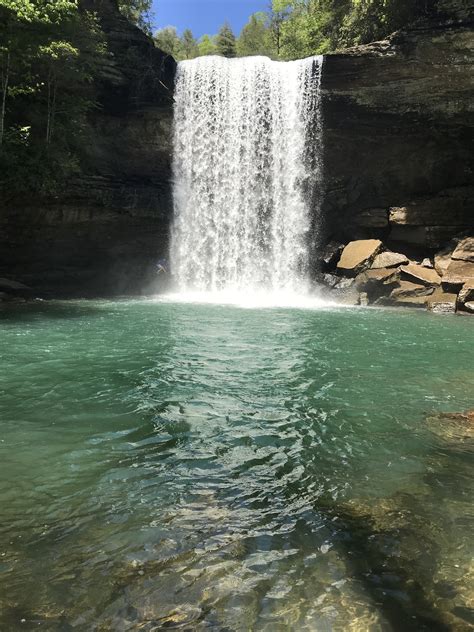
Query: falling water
[(247, 147)]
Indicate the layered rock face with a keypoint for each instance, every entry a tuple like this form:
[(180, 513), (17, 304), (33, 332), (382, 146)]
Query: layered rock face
[(398, 162), (106, 228), (398, 121)]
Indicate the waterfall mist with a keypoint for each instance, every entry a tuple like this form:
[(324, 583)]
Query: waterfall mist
[(247, 147)]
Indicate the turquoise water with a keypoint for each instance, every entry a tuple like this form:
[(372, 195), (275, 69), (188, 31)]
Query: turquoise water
[(207, 467)]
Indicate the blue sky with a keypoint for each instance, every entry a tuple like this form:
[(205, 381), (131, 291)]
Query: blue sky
[(205, 16)]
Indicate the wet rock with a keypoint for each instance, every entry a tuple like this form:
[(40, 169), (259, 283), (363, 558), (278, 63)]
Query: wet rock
[(8, 285), (469, 307), (458, 427), (458, 273), (344, 283), (330, 280), (388, 260), (421, 274), (442, 302), (331, 254), (348, 296), (358, 256), (376, 283), (465, 250)]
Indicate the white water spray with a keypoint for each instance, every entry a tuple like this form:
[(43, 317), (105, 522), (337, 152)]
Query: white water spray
[(247, 147)]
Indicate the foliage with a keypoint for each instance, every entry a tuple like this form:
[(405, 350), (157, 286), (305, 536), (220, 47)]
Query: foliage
[(226, 42), (138, 12), (168, 40), (292, 29), (48, 57), (189, 45), (255, 37), (207, 46)]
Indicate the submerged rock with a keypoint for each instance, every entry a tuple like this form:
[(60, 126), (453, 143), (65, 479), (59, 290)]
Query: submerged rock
[(453, 426), (358, 255)]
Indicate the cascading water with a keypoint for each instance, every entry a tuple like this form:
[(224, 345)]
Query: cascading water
[(247, 147)]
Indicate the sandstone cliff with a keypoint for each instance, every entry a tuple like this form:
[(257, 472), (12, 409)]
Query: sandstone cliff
[(398, 120)]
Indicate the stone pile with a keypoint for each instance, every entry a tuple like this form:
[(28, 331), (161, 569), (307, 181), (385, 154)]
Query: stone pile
[(365, 272)]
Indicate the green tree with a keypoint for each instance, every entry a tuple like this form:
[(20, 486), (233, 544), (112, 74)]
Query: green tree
[(226, 42), (207, 46), (279, 12), (167, 39), (48, 57), (255, 37), (138, 12), (189, 45)]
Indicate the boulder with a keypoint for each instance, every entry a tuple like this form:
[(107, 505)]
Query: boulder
[(469, 306), (358, 256), (406, 289), (388, 260), (330, 280), (331, 254), (441, 302), (419, 273), (427, 263), (465, 250), (442, 259), (467, 292), (348, 296), (383, 276), (458, 273), (344, 284)]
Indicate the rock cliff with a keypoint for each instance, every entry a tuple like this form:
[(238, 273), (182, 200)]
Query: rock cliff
[(398, 161), (398, 121), (102, 233)]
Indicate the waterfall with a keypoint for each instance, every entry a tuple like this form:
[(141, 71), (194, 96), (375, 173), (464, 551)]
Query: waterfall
[(247, 147)]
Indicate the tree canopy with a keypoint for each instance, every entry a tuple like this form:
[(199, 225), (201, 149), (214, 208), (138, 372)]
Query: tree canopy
[(49, 53), (292, 29)]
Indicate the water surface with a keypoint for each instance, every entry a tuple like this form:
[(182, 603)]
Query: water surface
[(205, 467)]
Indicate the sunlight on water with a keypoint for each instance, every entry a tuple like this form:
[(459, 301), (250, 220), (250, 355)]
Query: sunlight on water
[(251, 299), (197, 467)]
